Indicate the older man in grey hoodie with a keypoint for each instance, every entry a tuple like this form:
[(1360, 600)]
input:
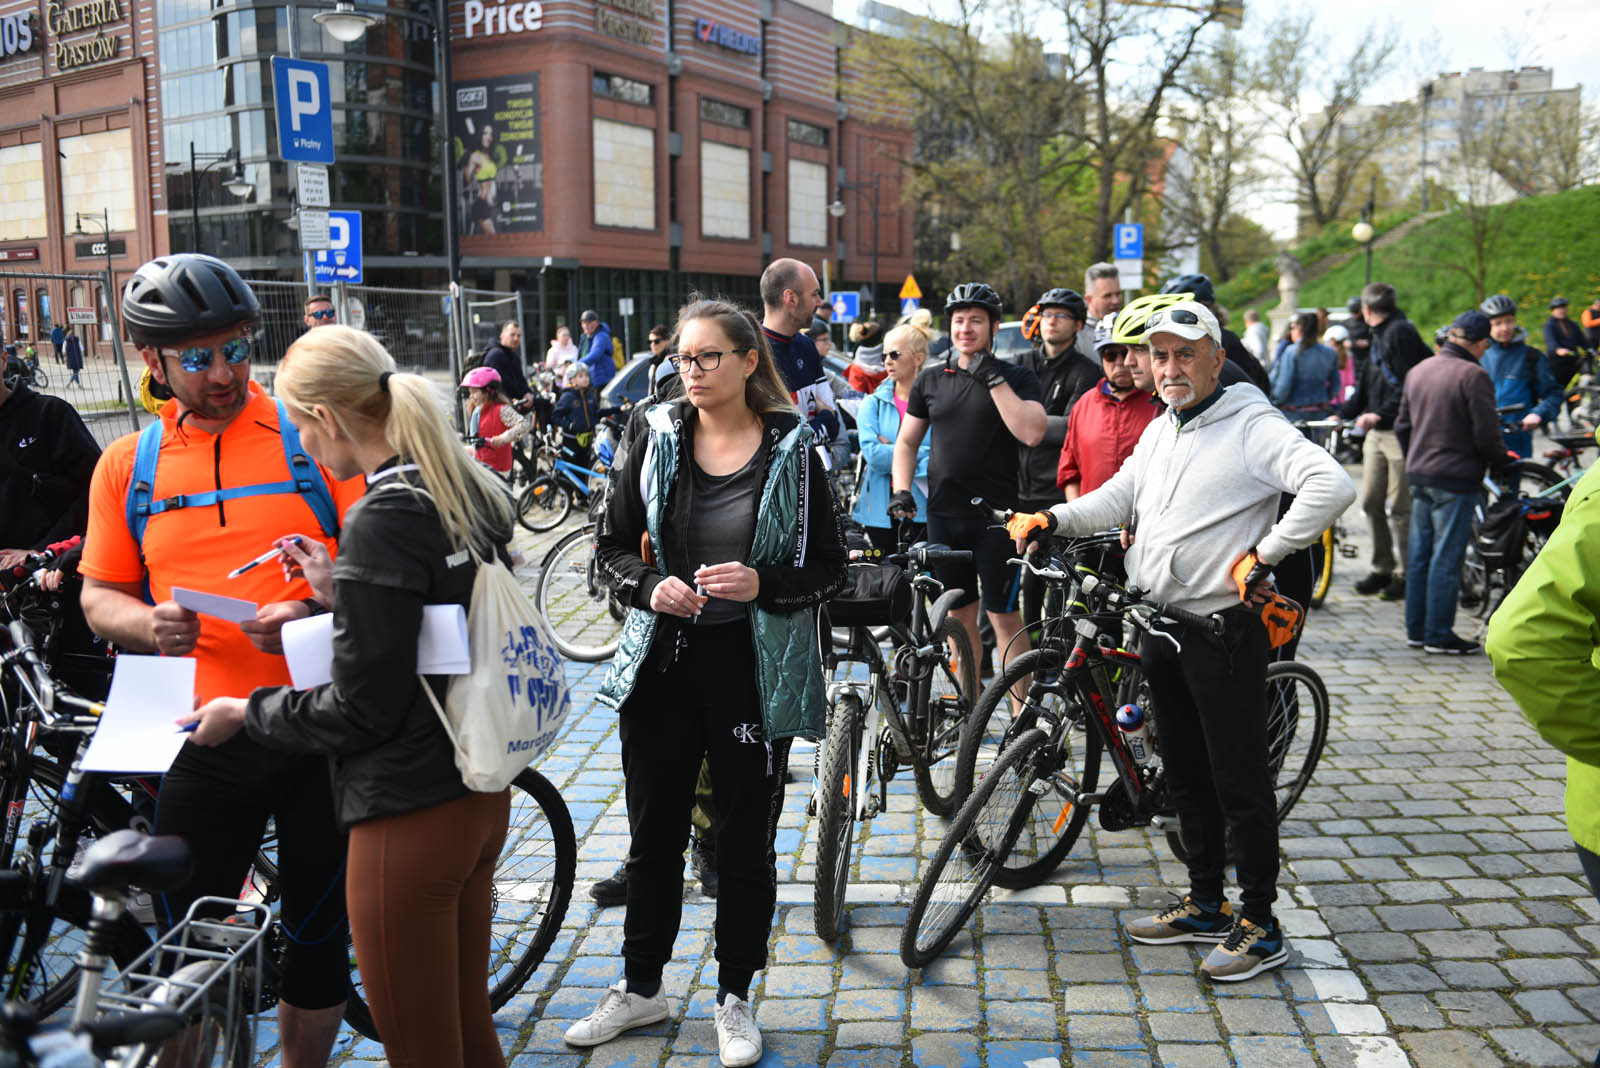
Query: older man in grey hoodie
[(1200, 495)]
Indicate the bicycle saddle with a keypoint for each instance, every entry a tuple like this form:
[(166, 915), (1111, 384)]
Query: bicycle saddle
[(127, 858)]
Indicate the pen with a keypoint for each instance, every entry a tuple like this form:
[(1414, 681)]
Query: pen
[(258, 561), (699, 591), (188, 728)]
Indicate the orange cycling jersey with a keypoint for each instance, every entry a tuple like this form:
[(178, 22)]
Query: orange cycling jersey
[(196, 547)]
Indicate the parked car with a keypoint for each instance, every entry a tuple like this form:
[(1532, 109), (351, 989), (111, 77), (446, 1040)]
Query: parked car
[(629, 385), (1009, 342)]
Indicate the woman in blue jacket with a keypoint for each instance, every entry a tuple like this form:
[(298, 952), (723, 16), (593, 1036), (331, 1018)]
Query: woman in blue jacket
[(1305, 376), (905, 350)]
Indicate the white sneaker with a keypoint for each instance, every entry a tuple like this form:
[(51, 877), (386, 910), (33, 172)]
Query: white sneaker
[(617, 1012), (738, 1038)]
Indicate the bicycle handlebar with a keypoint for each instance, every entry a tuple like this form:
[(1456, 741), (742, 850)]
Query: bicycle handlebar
[(943, 556)]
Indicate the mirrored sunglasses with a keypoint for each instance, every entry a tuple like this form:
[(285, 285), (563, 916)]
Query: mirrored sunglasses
[(326, 313), (195, 360)]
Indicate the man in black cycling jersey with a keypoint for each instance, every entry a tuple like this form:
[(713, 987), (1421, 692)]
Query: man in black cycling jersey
[(193, 319), (980, 408)]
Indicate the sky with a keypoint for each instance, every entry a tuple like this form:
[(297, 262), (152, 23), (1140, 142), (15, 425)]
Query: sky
[(1436, 36)]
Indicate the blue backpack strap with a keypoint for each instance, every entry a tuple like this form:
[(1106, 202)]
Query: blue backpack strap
[(307, 476), (141, 486)]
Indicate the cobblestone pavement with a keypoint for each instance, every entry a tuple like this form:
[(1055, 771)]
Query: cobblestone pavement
[(1435, 909)]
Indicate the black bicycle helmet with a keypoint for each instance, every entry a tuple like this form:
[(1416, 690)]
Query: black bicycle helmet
[(1497, 305), (1198, 285), (974, 295), (177, 297), (1353, 305), (1069, 299)]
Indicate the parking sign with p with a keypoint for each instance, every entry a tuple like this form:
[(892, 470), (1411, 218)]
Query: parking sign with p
[(304, 104)]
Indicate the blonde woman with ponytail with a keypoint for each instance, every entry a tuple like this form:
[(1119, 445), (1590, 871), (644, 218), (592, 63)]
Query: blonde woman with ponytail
[(422, 846)]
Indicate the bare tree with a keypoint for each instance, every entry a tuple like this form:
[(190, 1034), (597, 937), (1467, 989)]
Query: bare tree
[(1328, 148), (1219, 126), (1478, 220), (1545, 146)]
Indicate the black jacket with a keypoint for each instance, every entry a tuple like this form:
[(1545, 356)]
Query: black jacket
[(47, 457), (1396, 349), (513, 383), (782, 589), (1062, 381), (387, 752), (1235, 351)]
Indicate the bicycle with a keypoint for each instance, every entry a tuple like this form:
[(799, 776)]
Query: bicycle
[(186, 1001), (533, 878), (1029, 806), (908, 714), (585, 615), (1335, 542), (550, 498)]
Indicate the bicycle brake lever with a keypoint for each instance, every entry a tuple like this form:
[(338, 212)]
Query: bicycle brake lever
[(1142, 620)]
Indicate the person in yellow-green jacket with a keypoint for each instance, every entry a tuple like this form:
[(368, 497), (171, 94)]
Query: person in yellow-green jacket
[(1544, 641)]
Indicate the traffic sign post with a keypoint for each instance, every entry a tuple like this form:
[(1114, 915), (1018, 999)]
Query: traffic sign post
[(341, 260), (304, 105), (846, 306), (1130, 273), (312, 183), (1127, 241), (908, 305), (909, 290)]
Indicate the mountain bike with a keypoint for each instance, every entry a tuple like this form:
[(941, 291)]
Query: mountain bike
[(910, 712), (1029, 805), (564, 485)]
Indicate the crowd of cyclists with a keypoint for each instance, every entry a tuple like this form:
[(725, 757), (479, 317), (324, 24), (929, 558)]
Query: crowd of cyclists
[(724, 534)]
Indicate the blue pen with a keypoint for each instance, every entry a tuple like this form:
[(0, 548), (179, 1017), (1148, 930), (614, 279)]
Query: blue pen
[(188, 728)]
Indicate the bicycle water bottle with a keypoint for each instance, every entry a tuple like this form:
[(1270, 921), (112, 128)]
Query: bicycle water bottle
[(1135, 732)]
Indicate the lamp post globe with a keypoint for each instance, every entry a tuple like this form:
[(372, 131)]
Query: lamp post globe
[(1362, 232)]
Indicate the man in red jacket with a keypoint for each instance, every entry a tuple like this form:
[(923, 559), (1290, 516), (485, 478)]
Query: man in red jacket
[(1106, 422)]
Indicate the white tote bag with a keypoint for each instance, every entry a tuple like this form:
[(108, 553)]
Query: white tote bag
[(509, 708)]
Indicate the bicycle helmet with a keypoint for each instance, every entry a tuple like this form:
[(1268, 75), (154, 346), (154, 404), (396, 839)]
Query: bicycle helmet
[(1441, 335), (1353, 305), (974, 295), (1129, 326), (1069, 299), (177, 297), (1498, 305), (1198, 286)]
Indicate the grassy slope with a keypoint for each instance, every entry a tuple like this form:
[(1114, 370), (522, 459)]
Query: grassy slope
[(1549, 245)]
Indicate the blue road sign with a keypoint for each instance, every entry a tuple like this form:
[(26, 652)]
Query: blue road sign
[(304, 105), (341, 261), (909, 305), (846, 306), (1128, 241)]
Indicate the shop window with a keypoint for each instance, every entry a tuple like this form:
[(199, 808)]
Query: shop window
[(808, 203), (624, 175), (724, 190), (616, 87), (724, 114), (97, 172), (22, 193)]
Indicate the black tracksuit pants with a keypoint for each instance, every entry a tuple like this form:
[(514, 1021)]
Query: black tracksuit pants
[(1210, 709), (696, 697)]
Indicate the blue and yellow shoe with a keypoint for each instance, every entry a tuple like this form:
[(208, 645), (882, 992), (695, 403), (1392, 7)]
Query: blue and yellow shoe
[(1248, 951), (1186, 921)]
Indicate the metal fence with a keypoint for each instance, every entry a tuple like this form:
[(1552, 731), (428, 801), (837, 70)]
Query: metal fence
[(103, 389)]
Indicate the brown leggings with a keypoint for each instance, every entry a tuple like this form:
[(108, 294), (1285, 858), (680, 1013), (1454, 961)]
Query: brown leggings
[(418, 891)]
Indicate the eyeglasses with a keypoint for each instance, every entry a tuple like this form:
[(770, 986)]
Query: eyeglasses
[(1177, 315), (326, 313), (196, 360), (1056, 316), (658, 341), (706, 361)]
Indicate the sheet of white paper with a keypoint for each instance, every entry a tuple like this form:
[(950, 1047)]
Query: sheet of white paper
[(214, 604), (138, 731), (441, 645)]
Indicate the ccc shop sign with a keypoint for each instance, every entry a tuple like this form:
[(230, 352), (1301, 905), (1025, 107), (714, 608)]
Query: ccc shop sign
[(17, 34)]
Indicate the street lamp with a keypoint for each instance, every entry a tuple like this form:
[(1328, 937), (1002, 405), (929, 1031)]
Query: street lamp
[(236, 183), (346, 23), (1362, 231), (837, 209), (105, 286)]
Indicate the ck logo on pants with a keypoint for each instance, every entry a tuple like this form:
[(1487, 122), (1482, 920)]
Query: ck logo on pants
[(748, 733)]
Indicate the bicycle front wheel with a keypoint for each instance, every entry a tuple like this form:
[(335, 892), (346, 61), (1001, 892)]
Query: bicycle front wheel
[(1297, 729), (544, 505), (532, 888), (836, 814), (965, 864), (578, 607), (952, 692)]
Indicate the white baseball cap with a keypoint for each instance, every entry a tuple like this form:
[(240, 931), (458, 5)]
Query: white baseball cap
[(1189, 319)]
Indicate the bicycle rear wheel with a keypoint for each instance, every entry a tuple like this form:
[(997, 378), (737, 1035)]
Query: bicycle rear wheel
[(544, 505), (1324, 579), (582, 612), (836, 814), (964, 866), (952, 692), (1297, 729), (532, 888), (218, 1033)]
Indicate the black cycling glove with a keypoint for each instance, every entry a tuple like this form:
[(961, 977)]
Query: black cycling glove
[(985, 367), (902, 505)]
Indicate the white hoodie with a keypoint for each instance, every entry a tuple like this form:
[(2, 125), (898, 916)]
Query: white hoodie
[(1202, 494)]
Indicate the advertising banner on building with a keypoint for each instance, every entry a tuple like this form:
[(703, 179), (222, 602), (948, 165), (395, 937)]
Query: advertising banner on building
[(499, 163)]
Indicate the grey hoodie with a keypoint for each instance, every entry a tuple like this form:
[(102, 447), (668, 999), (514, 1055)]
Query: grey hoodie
[(1202, 494)]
